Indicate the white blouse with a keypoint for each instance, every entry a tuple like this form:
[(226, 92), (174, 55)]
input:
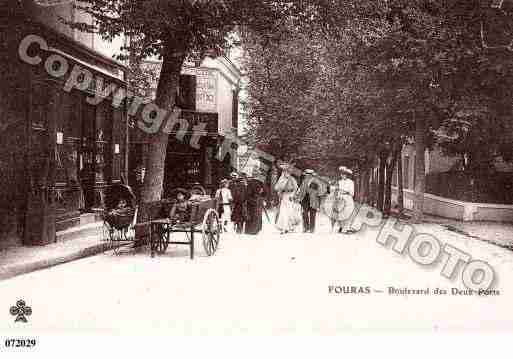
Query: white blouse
[(225, 194), (346, 185)]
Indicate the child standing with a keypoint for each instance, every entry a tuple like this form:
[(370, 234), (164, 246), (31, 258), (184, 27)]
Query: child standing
[(224, 203)]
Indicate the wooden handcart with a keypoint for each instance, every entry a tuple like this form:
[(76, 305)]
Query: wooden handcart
[(204, 220)]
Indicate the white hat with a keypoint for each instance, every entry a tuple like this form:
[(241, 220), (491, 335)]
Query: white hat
[(345, 170), (308, 172)]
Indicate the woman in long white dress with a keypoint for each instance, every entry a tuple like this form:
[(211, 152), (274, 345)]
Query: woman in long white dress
[(345, 203), (339, 204), (289, 216)]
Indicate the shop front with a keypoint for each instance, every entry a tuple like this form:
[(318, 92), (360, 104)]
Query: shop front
[(75, 149), (191, 157), (194, 160)]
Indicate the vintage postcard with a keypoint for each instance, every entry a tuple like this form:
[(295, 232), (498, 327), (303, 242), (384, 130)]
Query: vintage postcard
[(254, 167)]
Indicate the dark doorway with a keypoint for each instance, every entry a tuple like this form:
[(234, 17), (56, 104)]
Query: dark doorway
[(183, 166)]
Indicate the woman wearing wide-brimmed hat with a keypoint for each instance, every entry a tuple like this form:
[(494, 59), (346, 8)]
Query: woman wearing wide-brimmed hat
[(289, 215)]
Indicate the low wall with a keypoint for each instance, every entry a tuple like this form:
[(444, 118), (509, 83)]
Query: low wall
[(463, 211)]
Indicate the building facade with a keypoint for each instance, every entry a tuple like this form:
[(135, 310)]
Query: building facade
[(209, 103), (61, 149)]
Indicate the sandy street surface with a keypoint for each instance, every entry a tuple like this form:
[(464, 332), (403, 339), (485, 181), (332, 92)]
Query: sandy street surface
[(269, 284)]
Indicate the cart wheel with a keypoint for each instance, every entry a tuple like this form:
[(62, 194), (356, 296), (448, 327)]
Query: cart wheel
[(160, 240), (211, 231)]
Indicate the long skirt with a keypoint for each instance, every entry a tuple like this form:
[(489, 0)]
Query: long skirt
[(226, 215), (254, 221), (239, 212), (290, 213)]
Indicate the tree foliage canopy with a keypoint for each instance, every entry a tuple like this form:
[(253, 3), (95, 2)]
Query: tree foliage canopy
[(376, 66), (174, 30)]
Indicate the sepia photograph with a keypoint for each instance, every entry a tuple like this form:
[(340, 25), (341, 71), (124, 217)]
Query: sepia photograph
[(255, 168)]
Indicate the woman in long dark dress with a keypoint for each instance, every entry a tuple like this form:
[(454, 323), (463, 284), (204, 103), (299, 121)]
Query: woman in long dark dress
[(239, 204), (255, 203)]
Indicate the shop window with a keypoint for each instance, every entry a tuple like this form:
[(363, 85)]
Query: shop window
[(103, 142), (86, 160), (72, 118), (68, 147)]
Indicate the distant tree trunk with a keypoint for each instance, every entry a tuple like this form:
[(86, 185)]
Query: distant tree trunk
[(364, 181), (373, 193), (400, 190), (381, 181), (166, 97), (420, 168), (388, 182)]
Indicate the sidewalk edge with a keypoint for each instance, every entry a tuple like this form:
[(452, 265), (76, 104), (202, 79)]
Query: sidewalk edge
[(20, 269)]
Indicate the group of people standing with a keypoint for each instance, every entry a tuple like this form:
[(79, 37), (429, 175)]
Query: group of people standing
[(301, 203), (240, 203)]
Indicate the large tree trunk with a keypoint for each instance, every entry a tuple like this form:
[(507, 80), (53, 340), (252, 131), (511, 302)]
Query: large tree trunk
[(420, 168), (400, 190), (156, 155), (388, 181), (166, 97)]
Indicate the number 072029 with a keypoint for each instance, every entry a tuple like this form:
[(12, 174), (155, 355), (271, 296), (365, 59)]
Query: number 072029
[(20, 343)]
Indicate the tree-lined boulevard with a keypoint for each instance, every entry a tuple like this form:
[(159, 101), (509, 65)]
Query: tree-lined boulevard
[(338, 80), (335, 230)]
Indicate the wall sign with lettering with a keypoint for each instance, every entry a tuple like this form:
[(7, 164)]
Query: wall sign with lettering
[(206, 88)]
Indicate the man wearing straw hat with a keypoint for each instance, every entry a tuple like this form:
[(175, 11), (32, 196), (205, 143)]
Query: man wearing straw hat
[(309, 195), (346, 188)]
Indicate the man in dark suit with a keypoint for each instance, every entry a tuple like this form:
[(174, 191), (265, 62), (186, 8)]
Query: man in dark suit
[(309, 195)]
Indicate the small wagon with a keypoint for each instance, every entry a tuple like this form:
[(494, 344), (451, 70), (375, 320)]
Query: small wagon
[(203, 220), (119, 215)]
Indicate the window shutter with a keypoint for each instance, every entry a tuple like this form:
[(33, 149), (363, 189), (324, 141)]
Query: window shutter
[(186, 97)]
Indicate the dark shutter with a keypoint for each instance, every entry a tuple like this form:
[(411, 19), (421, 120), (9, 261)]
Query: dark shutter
[(186, 97)]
